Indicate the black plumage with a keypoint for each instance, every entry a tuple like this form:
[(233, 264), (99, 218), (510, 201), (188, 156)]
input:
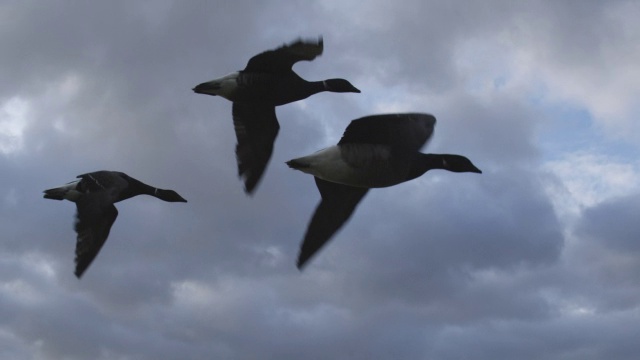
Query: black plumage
[(94, 195), (374, 151), (267, 81)]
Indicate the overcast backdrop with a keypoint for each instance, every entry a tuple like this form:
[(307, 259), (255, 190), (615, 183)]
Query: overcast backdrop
[(537, 258)]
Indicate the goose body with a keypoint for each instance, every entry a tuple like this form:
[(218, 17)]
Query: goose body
[(273, 89), (375, 151), (358, 165), (266, 82), (94, 195)]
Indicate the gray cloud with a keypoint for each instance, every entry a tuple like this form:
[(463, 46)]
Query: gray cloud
[(446, 266), (613, 224)]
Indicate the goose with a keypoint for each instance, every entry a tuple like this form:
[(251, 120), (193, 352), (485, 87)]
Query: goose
[(94, 195), (374, 152), (266, 82)]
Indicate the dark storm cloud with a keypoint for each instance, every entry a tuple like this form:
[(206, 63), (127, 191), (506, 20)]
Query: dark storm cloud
[(421, 250), (613, 224), (609, 234), (572, 338), (446, 266)]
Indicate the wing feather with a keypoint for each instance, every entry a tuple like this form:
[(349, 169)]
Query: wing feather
[(337, 204), (256, 128), (93, 224), (283, 58), (407, 132)]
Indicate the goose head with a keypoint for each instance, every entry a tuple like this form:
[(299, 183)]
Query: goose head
[(169, 196), (458, 163)]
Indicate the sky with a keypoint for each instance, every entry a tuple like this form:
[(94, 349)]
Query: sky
[(536, 258)]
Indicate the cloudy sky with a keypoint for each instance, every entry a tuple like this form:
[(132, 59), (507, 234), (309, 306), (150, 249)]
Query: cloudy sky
[(537, 258)]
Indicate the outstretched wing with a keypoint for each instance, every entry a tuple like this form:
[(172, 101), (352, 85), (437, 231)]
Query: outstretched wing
[(282, 59), (337, 204), (256, 129), (408, 132), (93, 222)]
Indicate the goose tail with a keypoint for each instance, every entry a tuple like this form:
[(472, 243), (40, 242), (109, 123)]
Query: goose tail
[(297, 164), (67, 191)]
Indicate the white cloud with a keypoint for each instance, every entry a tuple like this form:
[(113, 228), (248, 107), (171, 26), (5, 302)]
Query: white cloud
[(57, 100), (587, 179), (14, 118), (601, 76), (192, 294), (526, 56)]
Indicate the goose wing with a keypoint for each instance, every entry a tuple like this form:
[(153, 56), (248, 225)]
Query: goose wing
[(281, 60), (256, 128), (408, 132), (337, 204), (95, 216)]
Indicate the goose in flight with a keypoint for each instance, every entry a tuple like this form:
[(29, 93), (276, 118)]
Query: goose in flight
[(94, 195), (266, 82), (374, 152)]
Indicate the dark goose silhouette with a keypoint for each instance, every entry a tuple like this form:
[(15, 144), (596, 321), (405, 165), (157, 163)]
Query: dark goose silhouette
[(266, 82), (94, 195), (375, 151)]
